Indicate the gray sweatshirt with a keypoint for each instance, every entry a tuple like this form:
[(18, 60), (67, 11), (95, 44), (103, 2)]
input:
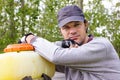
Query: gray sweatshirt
[(95, 60)]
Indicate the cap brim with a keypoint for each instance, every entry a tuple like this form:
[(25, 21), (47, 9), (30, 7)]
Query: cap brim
[(69, 19)]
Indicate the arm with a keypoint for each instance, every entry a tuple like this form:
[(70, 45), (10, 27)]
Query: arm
[(88, 53), (97, 55)]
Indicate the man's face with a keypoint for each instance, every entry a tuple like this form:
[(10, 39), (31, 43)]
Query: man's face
[(76, 31)]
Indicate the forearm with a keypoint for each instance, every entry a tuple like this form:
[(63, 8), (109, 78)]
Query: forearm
[(44, 47)]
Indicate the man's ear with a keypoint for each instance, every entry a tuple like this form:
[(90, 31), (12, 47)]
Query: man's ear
[(86, 25)]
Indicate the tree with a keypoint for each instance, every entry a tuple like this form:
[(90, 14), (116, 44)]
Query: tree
[(102, 23), (24, 16), (19, 17), (8, 29)]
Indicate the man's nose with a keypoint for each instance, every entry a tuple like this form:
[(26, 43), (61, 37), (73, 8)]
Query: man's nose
[(73, 31)]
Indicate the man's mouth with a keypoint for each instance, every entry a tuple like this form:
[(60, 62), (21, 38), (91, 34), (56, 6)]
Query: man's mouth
[(74, 37)]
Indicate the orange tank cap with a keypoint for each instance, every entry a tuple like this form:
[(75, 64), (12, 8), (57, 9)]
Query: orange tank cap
[(19, 47)]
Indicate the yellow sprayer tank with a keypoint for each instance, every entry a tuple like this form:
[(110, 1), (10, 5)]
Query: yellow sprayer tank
[(19, 61)]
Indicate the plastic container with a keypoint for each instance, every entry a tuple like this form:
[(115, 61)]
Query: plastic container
[(20, 60)]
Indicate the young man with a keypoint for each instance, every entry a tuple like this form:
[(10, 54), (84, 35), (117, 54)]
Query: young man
[(86, 58)]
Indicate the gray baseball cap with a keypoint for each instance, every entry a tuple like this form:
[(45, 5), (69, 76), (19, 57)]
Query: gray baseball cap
[(68, 14)]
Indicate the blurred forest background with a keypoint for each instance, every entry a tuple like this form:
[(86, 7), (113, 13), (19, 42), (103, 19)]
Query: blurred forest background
[(18, 17)]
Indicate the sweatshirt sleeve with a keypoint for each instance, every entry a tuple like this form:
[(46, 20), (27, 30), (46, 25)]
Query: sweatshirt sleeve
[(89, 53), (45, 48)]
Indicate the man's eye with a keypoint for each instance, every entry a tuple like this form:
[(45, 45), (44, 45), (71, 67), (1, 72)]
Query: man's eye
[(66, 27), (77, 24)]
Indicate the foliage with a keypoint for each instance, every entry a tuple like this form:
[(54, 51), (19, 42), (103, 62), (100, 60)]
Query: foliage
[(103, 23), (18, 17)]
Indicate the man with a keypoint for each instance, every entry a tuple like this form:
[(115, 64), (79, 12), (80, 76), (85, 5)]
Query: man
[(86, 58)]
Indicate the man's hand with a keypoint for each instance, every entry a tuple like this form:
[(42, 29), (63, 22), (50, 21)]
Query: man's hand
[(24, 38), (44, 77), (68, 43)]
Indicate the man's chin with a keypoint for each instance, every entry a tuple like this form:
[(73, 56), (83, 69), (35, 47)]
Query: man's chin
[(77, 41)]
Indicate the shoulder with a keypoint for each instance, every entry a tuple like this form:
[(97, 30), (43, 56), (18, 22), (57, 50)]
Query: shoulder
[(105, 42), (101, 40)]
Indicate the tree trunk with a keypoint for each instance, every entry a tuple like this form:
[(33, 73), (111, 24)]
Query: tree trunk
[(11, 21), (23, 17)]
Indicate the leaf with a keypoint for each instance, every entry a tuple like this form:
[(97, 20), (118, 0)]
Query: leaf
[(118, 4)]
